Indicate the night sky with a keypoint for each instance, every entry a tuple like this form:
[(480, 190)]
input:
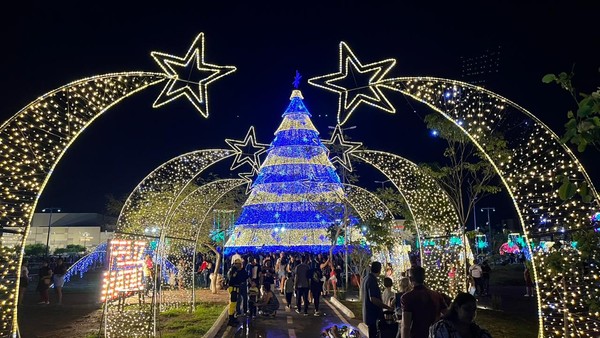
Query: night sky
[(47, 45)]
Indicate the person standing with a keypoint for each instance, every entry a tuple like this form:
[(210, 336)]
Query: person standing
[(301, 285), (45, 274), (476, 273), (252, 298), (288, 287), (421, 307), (59, 278), (372, 304), (528, 281), (23, 280), (280, 266), (459, 321), (233, 276), (242, 303), (486, 271), (148, 272)]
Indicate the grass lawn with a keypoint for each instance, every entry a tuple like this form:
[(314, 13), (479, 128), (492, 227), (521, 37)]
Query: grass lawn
[(355, 307), (507, 275), (178, 323), (503, 324)]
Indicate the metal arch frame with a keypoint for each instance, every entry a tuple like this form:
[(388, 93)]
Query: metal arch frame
[(431, 90), (31, 124), (418, 194)]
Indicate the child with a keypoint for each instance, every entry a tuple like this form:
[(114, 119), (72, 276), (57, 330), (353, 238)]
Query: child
[(289, 291), (388, 294), (252, 298)]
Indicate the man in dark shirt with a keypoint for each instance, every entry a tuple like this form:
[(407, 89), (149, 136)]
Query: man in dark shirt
[(372, 305), (421, 307), (301, 285)]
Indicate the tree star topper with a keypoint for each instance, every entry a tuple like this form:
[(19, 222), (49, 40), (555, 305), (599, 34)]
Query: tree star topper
[(241, 156), (351, 98), (341, 148), (178, 70)]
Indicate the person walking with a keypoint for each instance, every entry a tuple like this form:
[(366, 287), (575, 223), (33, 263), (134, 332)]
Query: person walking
[(372, 304), (59, 278), (316, 285), (421, 307), (288, 288), (301, 285), (458, 322)]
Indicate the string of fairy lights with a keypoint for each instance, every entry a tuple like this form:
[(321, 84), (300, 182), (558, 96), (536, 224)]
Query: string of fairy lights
[(34, 140), (537, 158), (432, 213)]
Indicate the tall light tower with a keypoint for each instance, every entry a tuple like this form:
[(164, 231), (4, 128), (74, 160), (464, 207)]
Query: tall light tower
[(50, 210), (488, 209)]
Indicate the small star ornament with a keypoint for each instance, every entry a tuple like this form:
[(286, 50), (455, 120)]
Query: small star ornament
[(340, 148), (242, 156), (179, 71), (368, 76)]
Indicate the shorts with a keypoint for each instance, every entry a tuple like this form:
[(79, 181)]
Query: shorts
[(281, 274), (59, 281)]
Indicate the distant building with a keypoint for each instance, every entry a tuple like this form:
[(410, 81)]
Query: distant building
[(481, 68), (87, 229)]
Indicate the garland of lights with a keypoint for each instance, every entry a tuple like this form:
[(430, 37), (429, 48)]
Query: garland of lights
[(37, 136), (538, 158), (195, 56)]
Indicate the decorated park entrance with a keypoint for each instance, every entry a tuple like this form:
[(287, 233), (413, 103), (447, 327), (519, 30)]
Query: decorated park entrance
[(36, 138)]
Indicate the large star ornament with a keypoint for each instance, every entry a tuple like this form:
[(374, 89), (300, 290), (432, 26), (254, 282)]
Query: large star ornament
[(178, 70), (370, 77), (341, 148), (242, 156)]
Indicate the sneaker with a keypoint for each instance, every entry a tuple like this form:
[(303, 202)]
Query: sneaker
[(45, 303), (297, 311), (317, 313), (305, 314), (288, 309)]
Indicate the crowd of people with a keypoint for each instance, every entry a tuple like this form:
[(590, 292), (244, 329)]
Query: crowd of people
[(416, 311), (51, 272), (253, 280)]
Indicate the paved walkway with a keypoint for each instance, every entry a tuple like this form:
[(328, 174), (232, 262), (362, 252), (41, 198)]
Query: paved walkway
[(289, 324)]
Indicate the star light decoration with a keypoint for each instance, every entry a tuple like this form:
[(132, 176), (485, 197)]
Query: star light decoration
[(351, 98), (341, 148), (243, 157), (178, 69)]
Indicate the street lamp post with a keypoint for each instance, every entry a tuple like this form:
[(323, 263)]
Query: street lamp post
[(51, 210), (382, 183), (489, 225)]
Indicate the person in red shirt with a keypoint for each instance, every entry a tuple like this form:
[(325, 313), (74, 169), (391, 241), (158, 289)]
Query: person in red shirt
[(421, 307)]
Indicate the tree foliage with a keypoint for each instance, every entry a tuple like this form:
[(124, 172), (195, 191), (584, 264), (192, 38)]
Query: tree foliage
[(37, 249), (70, 248), (467, 176), (583, 124)]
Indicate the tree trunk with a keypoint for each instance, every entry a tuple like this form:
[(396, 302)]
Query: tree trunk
[(213, 280)]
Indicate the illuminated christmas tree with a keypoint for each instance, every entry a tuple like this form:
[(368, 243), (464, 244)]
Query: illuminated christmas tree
[(296, 195)]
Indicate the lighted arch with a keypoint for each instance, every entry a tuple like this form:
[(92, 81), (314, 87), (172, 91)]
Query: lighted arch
[(537, 158), (32, 143), (431, 211), (153, 199), (183, 229)]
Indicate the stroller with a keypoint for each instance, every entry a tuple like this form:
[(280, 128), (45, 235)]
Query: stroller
[(388, 326)]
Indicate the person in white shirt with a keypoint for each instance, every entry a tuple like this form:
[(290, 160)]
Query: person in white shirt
[(388, 294), (476, 273)]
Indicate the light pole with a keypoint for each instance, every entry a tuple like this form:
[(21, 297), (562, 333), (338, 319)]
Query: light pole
[(51, 210), (345, 220), (489, 225), (382, 183)]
